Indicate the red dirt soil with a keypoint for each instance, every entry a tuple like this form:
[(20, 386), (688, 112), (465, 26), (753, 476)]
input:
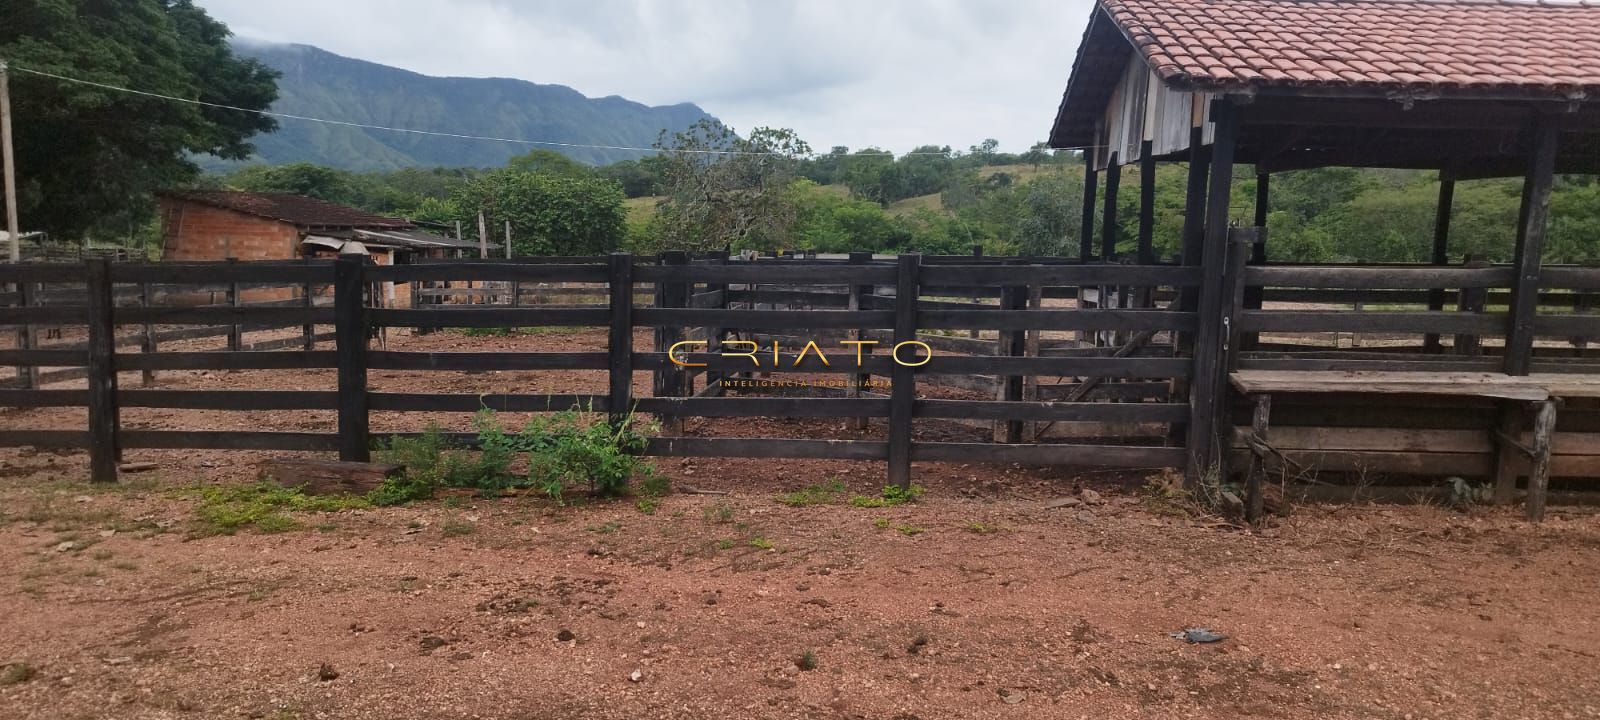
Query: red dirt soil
[(980, 600)]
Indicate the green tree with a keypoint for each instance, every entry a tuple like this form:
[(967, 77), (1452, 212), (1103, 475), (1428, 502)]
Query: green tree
[(723, 191), (88, 157), (549, 161), (549, 214), (323, 183)]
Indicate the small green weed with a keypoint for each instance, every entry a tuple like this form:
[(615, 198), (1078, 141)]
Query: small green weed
[(721, 513), (910, 530), (605, 529), (16, 673), (881, 523), (456, 527), (978, 528), (761, 543), (891, 496), (807, 661), (828, 493)]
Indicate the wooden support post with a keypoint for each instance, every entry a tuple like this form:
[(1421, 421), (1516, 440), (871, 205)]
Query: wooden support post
[(1544, 426), (1147, 203), (1012, 343), (1194, 212), (1206, 399), (977, 256), (147, 339), (669, 381), (1508, 452), (620, 342), (1471, 300), (1440, 255), (8, 169), (1086, 233), (903, 392), (235, 332), (351, 335), (1531, 229), (1253, 296), (1242, 243), (714, 335), (1109, 228), (28, 335), (103, 415), (858, 300), (308, 331), (1254, 502)]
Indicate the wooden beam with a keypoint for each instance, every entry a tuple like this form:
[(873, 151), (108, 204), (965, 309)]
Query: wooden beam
[(350, 321), (1544, 425), (103, 416), (903, 391), (1086, 233), (1441, 253), (1531, 227), (1147, 203), (620, 339), (1108, 218), (1204, 444)]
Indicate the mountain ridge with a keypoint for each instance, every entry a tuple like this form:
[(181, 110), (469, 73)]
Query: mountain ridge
[(318, 83)]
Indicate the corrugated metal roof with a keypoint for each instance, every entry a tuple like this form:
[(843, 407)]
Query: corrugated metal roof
[(296, 210)]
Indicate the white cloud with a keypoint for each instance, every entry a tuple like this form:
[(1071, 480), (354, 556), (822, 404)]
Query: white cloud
[(890, 73)]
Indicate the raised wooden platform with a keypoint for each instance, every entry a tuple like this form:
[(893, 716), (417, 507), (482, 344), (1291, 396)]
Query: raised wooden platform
[(1526, 388)]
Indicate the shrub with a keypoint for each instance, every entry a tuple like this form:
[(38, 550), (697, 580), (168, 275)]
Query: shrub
[(892, 495)]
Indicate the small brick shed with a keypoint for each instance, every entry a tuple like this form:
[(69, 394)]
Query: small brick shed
[(199, 225)]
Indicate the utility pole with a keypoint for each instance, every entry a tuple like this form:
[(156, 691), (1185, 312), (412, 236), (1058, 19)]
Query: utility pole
[(483, 237), (508, 239), (14, 233)]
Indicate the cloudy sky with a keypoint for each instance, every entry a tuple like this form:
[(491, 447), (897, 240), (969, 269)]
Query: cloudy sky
[(888, 73)]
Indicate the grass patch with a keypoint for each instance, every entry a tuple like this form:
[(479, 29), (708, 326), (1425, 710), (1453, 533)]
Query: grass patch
[(978, 528), (16, 673), (828, 493), (891, 496), (721, 513), (910, 530), (807, 661), (264, 506), (761, 543), (456, 527)]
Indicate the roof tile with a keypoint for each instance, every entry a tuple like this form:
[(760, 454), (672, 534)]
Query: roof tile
[(1425, 43)]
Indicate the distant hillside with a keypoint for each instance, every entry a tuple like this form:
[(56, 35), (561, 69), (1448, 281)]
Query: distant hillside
[(321, 84)]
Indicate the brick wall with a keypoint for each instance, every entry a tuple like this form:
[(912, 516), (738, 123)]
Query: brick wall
[(192, 231)]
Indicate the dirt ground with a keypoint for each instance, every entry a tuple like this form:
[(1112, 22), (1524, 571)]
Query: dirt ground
[(993, 596)]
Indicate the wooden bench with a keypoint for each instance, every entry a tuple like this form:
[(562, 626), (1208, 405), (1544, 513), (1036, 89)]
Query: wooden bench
[(1539, 393)]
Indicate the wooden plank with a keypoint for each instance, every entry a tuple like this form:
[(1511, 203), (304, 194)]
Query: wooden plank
[(480, 316), (28, 335), (764, 319), (43, 398), (766, 407), (499, 402), (1370, 322), (351, 349), (292, 272), (240, 400), (223, 440), (45, 358), (103, 420), (1060, 275), (1490, 385), (768, 448), (1420, 277), (830, 274), (288, 360), (486, 361), (1086, 456), (44, 315), (902, 392), (1120, 320), (1009, 410), (1571, 278), (1509, 427), (326, 477), (497, 271), (45, 438), (1441, 364), (222, 315)]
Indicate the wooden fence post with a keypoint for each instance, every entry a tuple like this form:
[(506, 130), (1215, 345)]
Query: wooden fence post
[(103, 420), (235, 332), (147, 342), (1012, 343), (858, 301), (977, 258), (351, 334), (620, 345), (1544, 427), (1471, 300), (714, 334), (669, 379), (1532, 226), (903, 393), (28, 335)]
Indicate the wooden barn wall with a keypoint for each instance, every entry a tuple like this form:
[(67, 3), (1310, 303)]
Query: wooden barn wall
[(1141, 108)]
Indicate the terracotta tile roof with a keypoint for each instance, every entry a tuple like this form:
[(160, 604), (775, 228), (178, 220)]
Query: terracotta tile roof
[(297, 210), (1525, 45)]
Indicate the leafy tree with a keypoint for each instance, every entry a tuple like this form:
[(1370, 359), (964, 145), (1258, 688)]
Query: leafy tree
[(549, 214), (549, 161), (638, 178), (723, 191), (89, 157), (306, 179), (1051, 215)]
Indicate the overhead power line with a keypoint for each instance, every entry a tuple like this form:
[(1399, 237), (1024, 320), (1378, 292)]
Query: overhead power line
[(431, 133)]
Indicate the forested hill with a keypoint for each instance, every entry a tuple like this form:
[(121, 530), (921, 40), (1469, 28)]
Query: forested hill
[(318, 83)]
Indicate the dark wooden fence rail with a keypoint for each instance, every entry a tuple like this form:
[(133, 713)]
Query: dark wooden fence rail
[(1008, 339)]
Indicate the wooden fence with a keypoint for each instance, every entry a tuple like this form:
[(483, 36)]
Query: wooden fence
[(996, 329)]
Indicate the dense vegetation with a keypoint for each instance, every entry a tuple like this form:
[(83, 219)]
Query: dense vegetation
[(710, 188)]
